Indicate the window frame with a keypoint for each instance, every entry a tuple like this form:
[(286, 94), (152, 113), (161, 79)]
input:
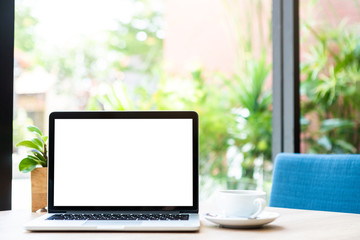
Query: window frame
[(286, 78), (7, 10)]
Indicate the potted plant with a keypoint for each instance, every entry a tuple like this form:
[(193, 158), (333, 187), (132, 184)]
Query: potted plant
[(36, 163)]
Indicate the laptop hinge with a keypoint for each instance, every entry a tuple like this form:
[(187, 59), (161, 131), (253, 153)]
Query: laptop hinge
[(189, 211), (57, 211), (111, 211)]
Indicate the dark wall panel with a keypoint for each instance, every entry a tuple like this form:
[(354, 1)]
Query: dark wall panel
[(6, 100)]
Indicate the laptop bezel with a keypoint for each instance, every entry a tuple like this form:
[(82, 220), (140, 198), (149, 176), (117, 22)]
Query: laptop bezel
[(124, 115)]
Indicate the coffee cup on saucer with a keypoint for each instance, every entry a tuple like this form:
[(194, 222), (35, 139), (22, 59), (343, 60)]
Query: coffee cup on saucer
[(241, 203)]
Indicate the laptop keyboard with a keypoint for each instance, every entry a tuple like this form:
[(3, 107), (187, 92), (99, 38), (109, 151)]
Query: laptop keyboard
[(133, 217)]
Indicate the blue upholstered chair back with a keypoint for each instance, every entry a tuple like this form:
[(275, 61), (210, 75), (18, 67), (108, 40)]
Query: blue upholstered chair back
[(325, 182)]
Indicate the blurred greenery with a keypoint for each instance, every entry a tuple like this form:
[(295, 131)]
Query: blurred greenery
[(330, 109), (24, 28), (126, 72), (251, 98), (140, 40), (24, 41), (192, 93), (235, 111), (20, 121), (252, 105)]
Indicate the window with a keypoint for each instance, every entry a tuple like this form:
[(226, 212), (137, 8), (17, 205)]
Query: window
[(212, 57)]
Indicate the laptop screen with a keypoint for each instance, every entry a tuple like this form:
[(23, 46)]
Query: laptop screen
[(134, 162)]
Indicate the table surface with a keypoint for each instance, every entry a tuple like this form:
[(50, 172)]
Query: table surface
[(292, 224)]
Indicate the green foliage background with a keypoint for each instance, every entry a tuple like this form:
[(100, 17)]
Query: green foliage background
[(330, 110), (235, 110)]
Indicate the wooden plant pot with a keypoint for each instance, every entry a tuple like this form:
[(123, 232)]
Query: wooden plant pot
[(38, 188)]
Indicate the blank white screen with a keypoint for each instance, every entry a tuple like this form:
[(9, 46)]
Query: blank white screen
[(123, 162)]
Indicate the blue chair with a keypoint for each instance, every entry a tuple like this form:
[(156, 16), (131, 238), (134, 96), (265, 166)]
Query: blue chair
[(325, 182)]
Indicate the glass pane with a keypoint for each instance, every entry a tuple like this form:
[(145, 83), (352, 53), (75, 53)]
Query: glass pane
[(213, 57), (330, 71)]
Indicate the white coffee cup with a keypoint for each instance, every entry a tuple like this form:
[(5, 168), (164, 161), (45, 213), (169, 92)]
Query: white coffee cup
[(241, 203)]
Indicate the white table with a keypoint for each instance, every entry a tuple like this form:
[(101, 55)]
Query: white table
[(292, 224)]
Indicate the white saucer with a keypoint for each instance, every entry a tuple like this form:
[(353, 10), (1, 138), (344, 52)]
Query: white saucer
[(234, 222)]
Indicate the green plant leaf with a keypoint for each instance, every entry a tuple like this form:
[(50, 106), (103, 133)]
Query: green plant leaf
[(39, 155), (40, 138), (28, 144), (34, 130), (39, 161), (38, 142), (45, 138), (325, 142), (348, 147), (333, 123), (27, 165), (34, 158)]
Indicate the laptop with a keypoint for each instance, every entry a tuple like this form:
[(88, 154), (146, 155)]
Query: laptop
[(122, 171)]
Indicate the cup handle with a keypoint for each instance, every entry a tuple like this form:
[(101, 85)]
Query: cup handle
[(260, 203)]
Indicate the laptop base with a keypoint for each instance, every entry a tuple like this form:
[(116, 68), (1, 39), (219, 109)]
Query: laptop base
[(41, 224)]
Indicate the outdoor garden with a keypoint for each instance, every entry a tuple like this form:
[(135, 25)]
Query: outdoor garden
[(122, 68)]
